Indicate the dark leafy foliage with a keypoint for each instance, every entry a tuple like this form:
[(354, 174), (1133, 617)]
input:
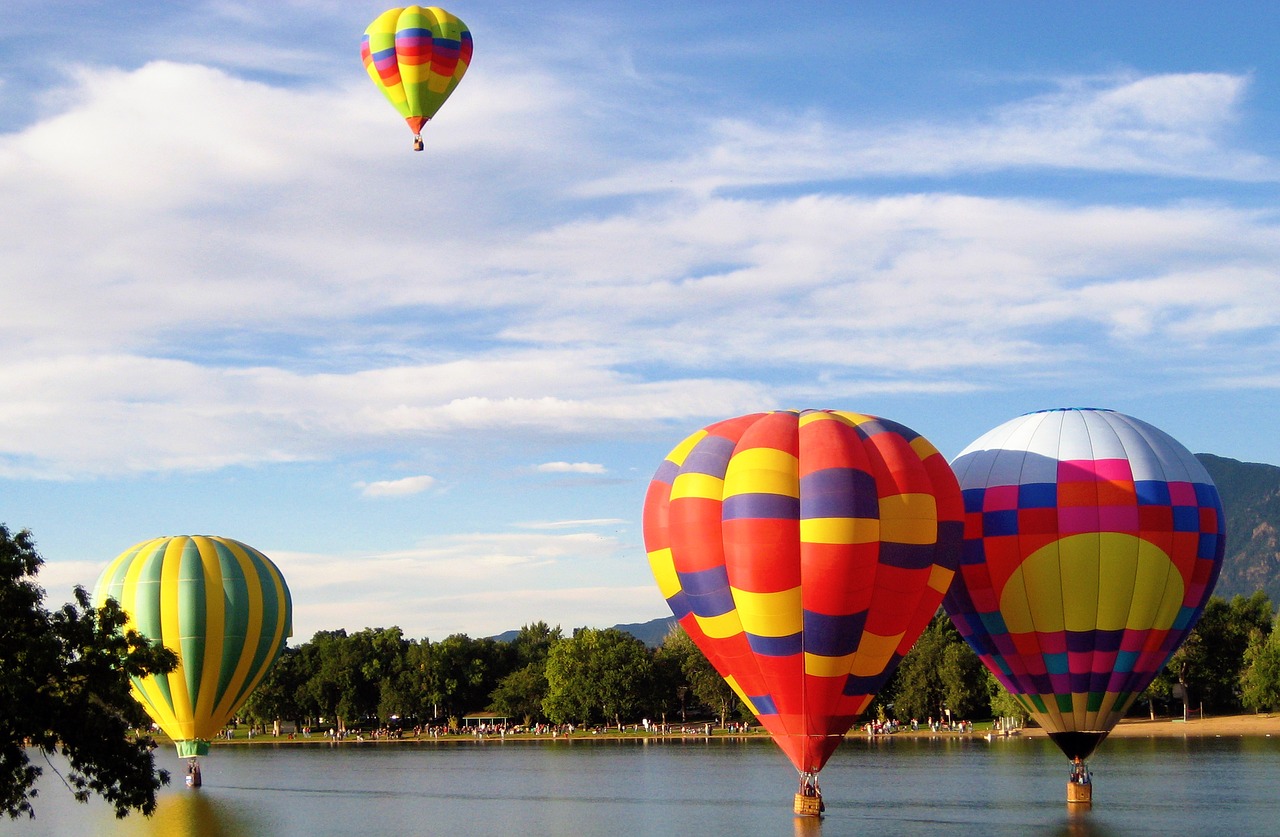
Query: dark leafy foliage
[(65, 690)]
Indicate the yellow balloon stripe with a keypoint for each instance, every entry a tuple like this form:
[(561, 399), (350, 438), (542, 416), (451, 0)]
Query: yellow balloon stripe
[(720, 627), (698, 486), (171, 634), (681, 451), (254, 630), (909, 518), (282, 629), (839, 530), (820, 666), (770, 614), (762, 471), (663, 566), (874, 652), (215, 621)]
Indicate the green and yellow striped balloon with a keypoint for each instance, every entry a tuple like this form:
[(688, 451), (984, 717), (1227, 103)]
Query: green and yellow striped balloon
[(221, 606)]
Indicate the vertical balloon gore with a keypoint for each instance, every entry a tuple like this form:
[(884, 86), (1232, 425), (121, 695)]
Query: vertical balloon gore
[(1092, 543), (221, 606), (804, 552)]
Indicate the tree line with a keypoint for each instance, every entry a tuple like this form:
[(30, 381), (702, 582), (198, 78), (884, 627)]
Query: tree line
[(1230, 662)]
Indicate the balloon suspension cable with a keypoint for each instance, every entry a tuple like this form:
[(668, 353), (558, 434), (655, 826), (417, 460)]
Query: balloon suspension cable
[(809, 784), (417, 142), (1080, 774)]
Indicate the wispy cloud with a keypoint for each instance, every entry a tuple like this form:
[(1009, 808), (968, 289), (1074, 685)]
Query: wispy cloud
[(570, 468), (396, 488), (1173, 124)]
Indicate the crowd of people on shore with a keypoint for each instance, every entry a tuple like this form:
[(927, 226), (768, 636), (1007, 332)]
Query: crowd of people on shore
[(891, 726)]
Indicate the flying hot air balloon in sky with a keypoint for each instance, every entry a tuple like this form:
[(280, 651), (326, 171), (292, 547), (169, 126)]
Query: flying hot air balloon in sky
[(222, 607), (416, 56), (1092, 543), (804, 552)]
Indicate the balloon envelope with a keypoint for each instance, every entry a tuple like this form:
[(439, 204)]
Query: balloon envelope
[(804, 553), (416, 56), (221, 606), (1092, 543)]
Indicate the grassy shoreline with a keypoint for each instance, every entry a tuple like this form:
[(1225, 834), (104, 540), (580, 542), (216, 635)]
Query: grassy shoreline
[(1224, 726)]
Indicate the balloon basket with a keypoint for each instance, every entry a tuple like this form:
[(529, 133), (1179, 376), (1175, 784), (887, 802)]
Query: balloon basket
[(1078, 793), (807, 806)]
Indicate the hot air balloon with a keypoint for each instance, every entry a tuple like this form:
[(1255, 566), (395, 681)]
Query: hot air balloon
[(804, 552), (222, 607), (416, 56), (1092, 543)]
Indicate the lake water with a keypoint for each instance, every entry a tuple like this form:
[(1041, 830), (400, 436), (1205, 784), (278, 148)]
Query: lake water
[(716, 788)]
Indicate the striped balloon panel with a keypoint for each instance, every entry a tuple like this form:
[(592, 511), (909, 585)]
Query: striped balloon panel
[(220, 605), (804, 552), (1092, 543), (416, 55)]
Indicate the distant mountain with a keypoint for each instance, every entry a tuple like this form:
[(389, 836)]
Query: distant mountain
[(1250, 494), (651, 633)]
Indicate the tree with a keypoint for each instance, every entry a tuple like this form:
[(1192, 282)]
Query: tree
[(964, 680), (1003, 704), (520, 693), (66, 689), (276, 697), (940, 672), (1209, 663), (1260, 681), (696, 674), (597, 674), (465, 672)]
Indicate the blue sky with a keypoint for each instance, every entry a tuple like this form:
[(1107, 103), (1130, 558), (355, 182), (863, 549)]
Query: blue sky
[(433, 387)]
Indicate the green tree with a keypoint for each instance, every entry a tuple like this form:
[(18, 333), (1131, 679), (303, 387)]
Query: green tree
[(1260, 681), (520, 693), (1003, 704), (533, 642), (940, 672), (465, 672), (697, 675), (65, 689), (1210, 661), (276, 697), (964, 680), (597, 674)]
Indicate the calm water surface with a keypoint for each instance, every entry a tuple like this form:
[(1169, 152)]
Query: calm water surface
[(892, 786)]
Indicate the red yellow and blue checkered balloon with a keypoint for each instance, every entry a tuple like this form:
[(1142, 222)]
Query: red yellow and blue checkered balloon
[(1092, 543), (416, 56), (804, 553)]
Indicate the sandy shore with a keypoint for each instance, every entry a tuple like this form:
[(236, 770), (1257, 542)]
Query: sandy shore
[(1227, 725)]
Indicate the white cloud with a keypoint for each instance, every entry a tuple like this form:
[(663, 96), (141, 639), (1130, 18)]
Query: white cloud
[(396, 488), (570, 468), (576, 524), (235, 288), (480, 584), (1171, 124)]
